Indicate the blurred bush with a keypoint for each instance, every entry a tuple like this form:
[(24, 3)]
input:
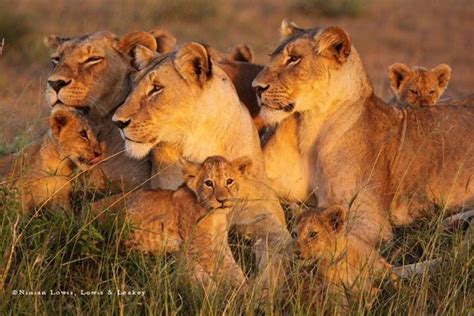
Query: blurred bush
[(335, 8)]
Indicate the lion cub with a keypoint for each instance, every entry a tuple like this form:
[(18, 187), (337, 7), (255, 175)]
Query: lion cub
[(207, 253), (43, 173), (419, 86), (347, 264)]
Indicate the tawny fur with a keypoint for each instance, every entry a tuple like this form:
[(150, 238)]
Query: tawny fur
[(187, 101), (100, 85), (346, 263), (418, 86), (349, 147), (43, 173), (220, 186)]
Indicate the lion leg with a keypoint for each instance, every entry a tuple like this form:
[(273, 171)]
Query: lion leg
[(271, 242)]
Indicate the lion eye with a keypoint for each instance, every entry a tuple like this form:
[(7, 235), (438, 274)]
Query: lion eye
[(413, 91), (312, 235), (83, 134), (230, 181), (54, 61), (94, 60), (292, 59), (209, 183), (432, 91), (155, 90)]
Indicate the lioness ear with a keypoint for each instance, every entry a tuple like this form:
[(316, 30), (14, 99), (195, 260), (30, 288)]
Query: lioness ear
[(129, 41), (443, 74), (241, 53), (165, 42), (396, 74), (243, 164), (54, 41), (58, 119), (288, 28), (334, 43), (335, 217), (194, 63), (142, 57), (190, 172)]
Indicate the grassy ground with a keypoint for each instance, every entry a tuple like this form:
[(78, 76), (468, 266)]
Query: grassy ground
[(74, 252), (79, 254)]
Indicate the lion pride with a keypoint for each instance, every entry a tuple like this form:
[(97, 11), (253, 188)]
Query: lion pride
[(351, 148), (93, 72)]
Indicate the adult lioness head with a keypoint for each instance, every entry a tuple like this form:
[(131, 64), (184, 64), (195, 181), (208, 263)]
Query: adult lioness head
[(93, 70), (309, 67), (174, 99)]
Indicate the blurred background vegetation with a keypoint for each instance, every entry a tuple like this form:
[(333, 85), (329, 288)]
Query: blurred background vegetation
[(415, 32)]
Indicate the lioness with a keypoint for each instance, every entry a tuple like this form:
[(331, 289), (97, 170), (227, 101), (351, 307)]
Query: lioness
[(345, 262), (167, 175), (93, 71), (351, 148), (186, 100), (44, 172), (418, 86)]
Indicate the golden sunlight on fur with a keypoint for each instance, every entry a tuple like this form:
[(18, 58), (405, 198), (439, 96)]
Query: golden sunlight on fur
[(44, 172), (418, 86), (316, 91), (347, 264), (217, 183)]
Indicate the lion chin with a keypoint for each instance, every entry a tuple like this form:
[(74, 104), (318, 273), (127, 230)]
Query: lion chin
[(137, 150), (271, 116)]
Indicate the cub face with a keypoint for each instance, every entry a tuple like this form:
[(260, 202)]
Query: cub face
[(217, 181), (315, 234), (75, 138), (419, 86)]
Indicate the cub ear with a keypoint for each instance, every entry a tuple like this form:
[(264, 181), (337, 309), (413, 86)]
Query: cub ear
[(194, 63), (288, 28), (129, 41), (396, 74), (165, 42), (443, 74), (241, 53), (142, 57), (58, 120), (334, 43), (335, 217), (190, 172), (243, 164), (54, 41)]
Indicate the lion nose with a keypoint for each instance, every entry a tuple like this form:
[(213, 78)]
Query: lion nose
[(297, 253), (97, 154), (58, 84), (260, 89), (122, 124), (221, 199)]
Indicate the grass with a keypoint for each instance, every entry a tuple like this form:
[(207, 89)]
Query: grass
[(76, 253)]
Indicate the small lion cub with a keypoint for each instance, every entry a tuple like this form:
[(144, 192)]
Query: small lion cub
[(207, 253), (43, 172), (346, 263), (419, 86)]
